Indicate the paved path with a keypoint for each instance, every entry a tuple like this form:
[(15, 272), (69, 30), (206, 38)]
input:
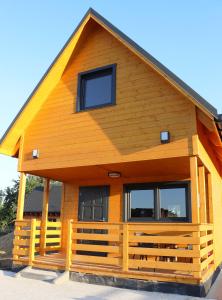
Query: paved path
[(27, 289), (216, 290)]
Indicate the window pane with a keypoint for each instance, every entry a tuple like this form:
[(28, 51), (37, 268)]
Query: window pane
[(142, 203), (173, 203), (97, 90)]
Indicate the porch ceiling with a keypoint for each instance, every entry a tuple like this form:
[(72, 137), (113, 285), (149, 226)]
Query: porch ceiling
[(172, 169)]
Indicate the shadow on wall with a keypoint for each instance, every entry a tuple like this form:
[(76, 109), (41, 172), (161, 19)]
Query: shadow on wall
[(146, 103)]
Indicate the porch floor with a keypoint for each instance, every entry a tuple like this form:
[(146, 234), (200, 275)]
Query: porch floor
[(56, 261)]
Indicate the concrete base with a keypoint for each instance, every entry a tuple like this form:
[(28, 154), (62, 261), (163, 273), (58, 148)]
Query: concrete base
[(63, 277), (38, 274), (150, 286)]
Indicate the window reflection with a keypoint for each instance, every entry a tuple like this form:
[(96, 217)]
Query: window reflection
[(173, 203), (142, 203), (98, 90)]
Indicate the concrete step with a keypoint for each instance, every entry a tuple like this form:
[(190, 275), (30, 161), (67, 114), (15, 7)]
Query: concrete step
[(39, 274)]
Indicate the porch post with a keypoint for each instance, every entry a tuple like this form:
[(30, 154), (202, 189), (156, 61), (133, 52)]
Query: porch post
[(21, 196), (194, 190), (45, 208), (202, 187), (209, 197)]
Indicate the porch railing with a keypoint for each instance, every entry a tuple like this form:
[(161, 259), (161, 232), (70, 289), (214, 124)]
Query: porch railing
[(135, 248), (26, 240), (29, 238), (51, 238)]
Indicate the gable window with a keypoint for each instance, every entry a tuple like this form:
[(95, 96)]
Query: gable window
[(96, 88), (157, 202)]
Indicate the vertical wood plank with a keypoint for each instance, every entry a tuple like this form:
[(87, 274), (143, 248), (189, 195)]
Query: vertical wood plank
[(21, 196), (210, 198), (16, 238), (62, 216), (125, 247), (197, 274), (202, 188), (194, 190), (45, 208), (32, 241), (69, 245)]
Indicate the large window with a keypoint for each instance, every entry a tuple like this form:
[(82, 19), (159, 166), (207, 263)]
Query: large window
[(157, 202), (96, 88)]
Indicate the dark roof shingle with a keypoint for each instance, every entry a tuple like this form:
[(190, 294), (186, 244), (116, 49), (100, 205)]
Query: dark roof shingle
[(33, 202)]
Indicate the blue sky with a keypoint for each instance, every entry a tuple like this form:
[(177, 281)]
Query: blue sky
[(185, 35)]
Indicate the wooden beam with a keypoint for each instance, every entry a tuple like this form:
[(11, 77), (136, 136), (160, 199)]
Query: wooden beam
[(32, 242), (45, 208), (125, 260), (195, 203), (209, 197), (202, 188), (21, 196), (69, 245)]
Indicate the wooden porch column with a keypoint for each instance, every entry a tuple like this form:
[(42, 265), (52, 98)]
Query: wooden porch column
[(21, 196), (202, 188), (45, 208), (195, 202), (209, 196)]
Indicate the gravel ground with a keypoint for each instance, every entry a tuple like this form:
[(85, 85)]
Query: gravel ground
[(27, 289)]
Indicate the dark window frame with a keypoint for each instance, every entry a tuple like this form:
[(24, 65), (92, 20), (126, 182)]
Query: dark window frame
[(80, 105), (156, 187)]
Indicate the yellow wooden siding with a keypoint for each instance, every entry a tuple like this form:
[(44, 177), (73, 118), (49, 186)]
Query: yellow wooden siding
[(70, 208), (128, 131), (215, 191)]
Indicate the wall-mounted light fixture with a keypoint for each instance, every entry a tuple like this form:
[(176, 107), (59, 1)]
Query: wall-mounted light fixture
[(114, 174), (35, 153), (164, 137)]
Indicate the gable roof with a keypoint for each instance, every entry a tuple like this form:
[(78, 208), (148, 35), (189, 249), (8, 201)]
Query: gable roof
[(9, 141), (33, 202)]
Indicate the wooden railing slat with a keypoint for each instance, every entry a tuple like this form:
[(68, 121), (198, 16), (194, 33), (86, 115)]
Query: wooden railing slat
[(96, 248), (96, 259), (96, 237)]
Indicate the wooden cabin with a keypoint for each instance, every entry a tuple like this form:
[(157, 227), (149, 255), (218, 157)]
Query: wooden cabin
[(34, 203), (139, 156)]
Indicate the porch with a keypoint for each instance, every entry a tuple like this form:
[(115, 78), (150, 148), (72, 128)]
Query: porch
[(163, 252), (179, 249)]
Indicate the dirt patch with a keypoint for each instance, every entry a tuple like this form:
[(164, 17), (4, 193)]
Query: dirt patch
[(6, 246)]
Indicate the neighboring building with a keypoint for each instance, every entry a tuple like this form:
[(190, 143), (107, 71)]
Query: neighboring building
[(139, 154), (34, 203)]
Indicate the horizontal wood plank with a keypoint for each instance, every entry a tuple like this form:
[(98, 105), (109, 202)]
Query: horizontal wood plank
[(164, 239), (164, 252), (21, 251), (96, 248), (96, 259), (177, 266), (96, 237)]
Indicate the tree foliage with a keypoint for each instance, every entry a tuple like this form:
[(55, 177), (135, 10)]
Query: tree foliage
[(8, 200)]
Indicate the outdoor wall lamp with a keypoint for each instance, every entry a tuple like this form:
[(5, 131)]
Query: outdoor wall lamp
[(164, 137), (114, 174), (35, 153)]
